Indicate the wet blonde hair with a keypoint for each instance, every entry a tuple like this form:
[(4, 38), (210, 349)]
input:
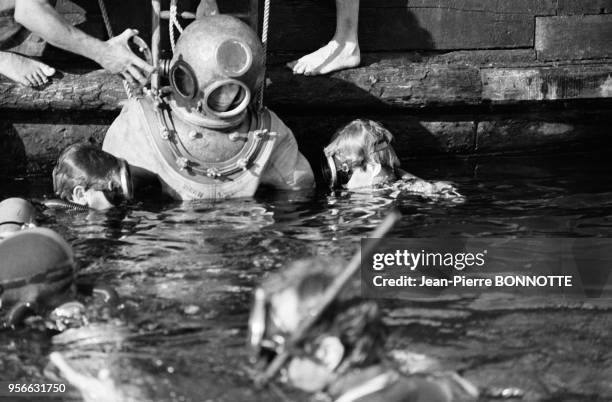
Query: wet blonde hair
[(367, 139)]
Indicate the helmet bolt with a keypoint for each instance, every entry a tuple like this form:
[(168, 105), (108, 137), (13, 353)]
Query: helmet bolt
[(242, 163), (235, 136), (261, 134), (166, 134), (212, 173), (193, 134), (182, 162)]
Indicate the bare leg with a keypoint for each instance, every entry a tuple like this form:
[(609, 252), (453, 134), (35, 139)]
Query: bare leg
[(114, 55), (24, 70), (342, 51), (206, 8)]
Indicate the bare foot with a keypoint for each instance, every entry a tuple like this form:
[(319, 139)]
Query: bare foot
[(24, 70), (331, 57)]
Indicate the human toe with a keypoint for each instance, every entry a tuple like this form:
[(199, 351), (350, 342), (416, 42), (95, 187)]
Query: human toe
[(47, 70)]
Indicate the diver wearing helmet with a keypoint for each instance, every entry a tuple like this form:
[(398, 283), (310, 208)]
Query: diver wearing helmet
[(342, 354), (201, 136)]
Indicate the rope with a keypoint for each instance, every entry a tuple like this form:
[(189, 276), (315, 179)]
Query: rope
[(173, 23), (109, 32), (107, 24), (264, 43)]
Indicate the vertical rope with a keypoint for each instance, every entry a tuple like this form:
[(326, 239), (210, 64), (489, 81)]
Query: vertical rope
[(264, 42), (155, 39), (107, 24), (109, 32), (173, 23)]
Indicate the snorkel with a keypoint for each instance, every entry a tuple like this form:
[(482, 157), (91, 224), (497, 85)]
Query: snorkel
[(273, 352)]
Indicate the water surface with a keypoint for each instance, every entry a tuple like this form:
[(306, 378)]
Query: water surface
[(186, 270)]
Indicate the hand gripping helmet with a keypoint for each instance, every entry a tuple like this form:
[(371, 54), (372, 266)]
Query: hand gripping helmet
[(217, 67)]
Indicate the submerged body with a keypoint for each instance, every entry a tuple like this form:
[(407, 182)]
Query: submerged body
[(200, 138)]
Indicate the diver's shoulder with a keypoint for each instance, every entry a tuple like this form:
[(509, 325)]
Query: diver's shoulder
[(271, 119)]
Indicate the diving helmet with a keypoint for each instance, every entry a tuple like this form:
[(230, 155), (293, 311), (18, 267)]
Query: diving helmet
[(16, 213), (217, 67)]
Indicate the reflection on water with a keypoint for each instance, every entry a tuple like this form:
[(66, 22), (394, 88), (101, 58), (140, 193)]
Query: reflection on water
[(185, 272)]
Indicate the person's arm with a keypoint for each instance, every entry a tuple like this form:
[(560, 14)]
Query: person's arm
[(113, 55), (287, 169), (415, 184)]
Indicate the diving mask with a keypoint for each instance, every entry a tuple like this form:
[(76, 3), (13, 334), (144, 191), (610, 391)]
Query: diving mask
[(337, 172), (338, 168), (117, 195)]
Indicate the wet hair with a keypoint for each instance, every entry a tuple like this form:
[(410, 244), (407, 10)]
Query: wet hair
[(356, 322), (88, 166), (369, 140)]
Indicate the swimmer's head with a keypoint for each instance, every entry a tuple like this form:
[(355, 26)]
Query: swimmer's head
[(15, 214), (349, 334), (360, 154), (86, 175)]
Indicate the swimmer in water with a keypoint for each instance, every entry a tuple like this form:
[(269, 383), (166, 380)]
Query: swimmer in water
[(86, 175), (15, 214), (360, 155), (342, 355)]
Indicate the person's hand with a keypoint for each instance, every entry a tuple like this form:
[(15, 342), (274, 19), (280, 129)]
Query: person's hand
[(119, 59), (415, 185), (443, 187), (436, 189)]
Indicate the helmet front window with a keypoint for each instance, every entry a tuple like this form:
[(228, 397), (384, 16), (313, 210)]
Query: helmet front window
[(226, 98)]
